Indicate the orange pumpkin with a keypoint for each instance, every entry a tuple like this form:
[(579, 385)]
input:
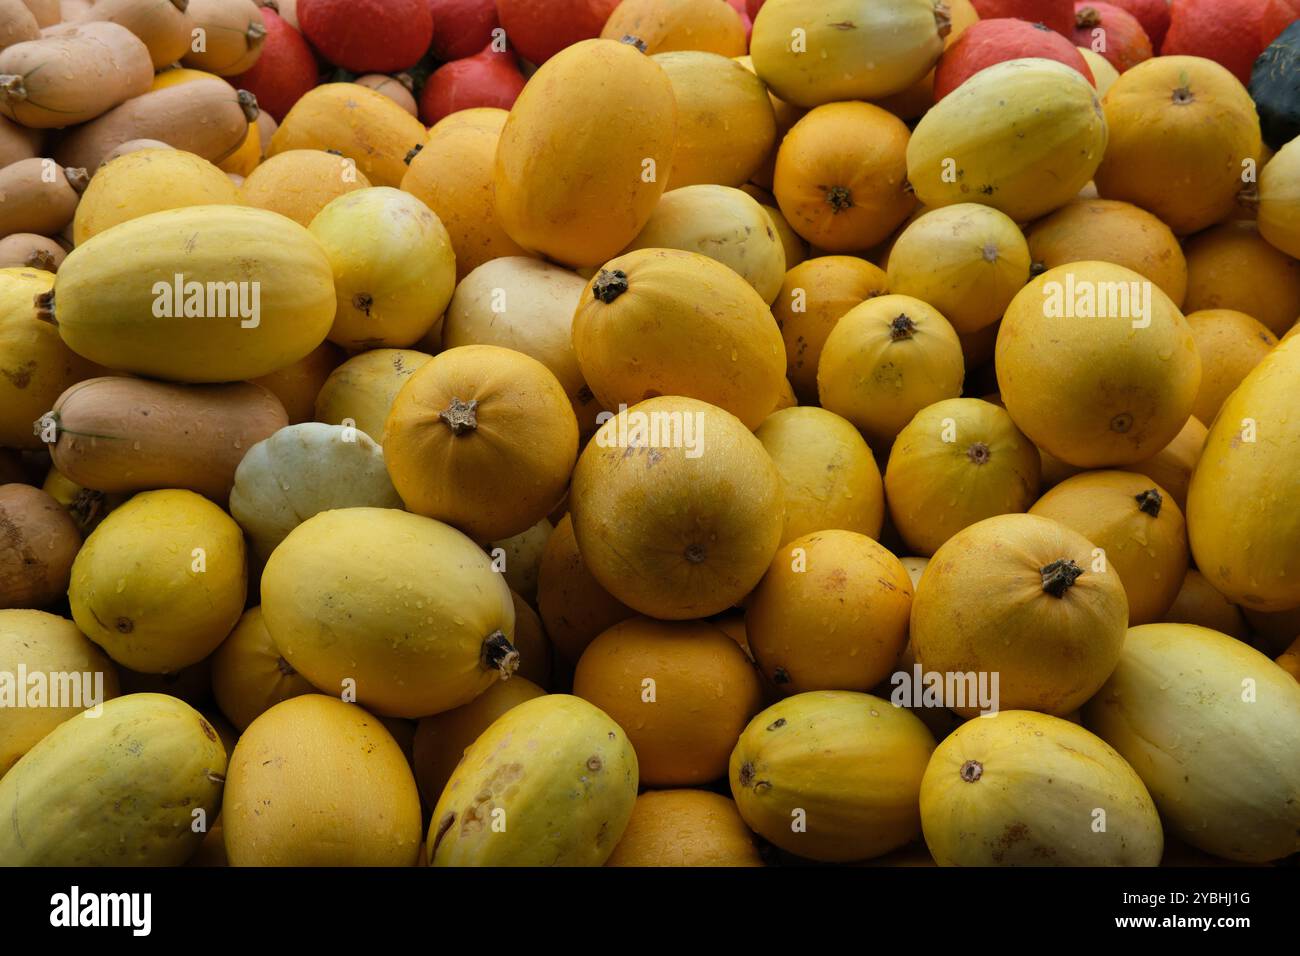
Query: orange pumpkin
[(574, 607), (683, 691), (664, 25), (1232, 267)]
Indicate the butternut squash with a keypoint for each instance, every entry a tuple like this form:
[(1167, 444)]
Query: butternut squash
[(226, 37), (38, 195), (17, 23), (26, 250), (161, 25), (41, 542)]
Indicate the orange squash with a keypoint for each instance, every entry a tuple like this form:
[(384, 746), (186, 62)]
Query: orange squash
[(1097, 365), (685, 828), (815, 295), (299, 183), (1289, 660), (830, 614), (1018, 596), (482, 438), (1181, 128), (1232, 267), (664, 25), (1140, 529), (668, 322), (1231, 344), (1107, 230), (1172, 466), (249, 675), (297, 385), (574, 608), (957, 462), (671, 527), (829, 475), (884, 361), (967, 260), (683, 691), (841, 176), (1198, 603), (536, 656)]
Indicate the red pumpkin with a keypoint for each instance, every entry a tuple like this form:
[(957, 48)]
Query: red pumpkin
[(539, 29), (1152, 14), (1111, 32), (485, 79), (987, 42), (1226, 31), (753, 6), (368, 36), (284, 72), (1277, 16), (1057, 14), (461, 27)]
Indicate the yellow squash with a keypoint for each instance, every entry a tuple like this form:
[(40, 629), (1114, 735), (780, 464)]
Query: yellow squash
[(136, 785), (685, 828), (248, 674), (255, 294), (1279, 200), (1212, 727), (1026, 789), (299, 183), (551, 783), (832, 776), (361, 391), (404, 611)]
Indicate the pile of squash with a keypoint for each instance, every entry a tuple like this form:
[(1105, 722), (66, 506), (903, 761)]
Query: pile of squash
[(656, 433)]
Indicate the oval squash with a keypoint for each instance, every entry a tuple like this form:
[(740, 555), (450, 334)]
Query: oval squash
[(851, 762), (427, 625), (249, 676), (41, 541), (1231, 266), (1212, 727), (299, 183), (574, 607), (26, 250), (161, 25), (685, 828), (361, 391), (562, 773), (664, 25), (228, 35), (1230, 344), (37, 195), (1279, 200)]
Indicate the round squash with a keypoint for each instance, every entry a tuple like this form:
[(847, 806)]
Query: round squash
[(1198, 603), (118, 301), (527, 305), (666, 322), (725, 123), (314, 781), (1020, 597), (1104, 74), (50, 646), (830, 614), (361, 391), (815, 294), (1022, 136), (884, 361), (394, 269), (1106, 230), (35, 366), (1138, 526), (1097, 365), (1231, 344), (841, 176), (427, 623), (576, 188), (685, 828), (557, 771), (161, 582), (574, 608), (1279, 200), (967, 260), (724, 224), (683, 691), (1245, 535), (441, 740), (148, 180), (665, 25), (957, 462), (302, 470), (1181, 128), (846, 49), (452, 175), (1232, 267), (830, 478), (1212, 727), (297, 385), (249, 676), (1171, 468), (521, 556), (692, 538), (1027, 789), (484, 438), (832, 775), (299, 183)]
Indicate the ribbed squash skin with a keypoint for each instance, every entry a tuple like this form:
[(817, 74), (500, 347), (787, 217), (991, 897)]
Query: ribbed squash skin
[(852, 762), (551, 783), (1024, 789), (1241, 515), (424, 601), (118, 789), (105, 294), (1213, 728), (1022, 136), (571, 176)]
